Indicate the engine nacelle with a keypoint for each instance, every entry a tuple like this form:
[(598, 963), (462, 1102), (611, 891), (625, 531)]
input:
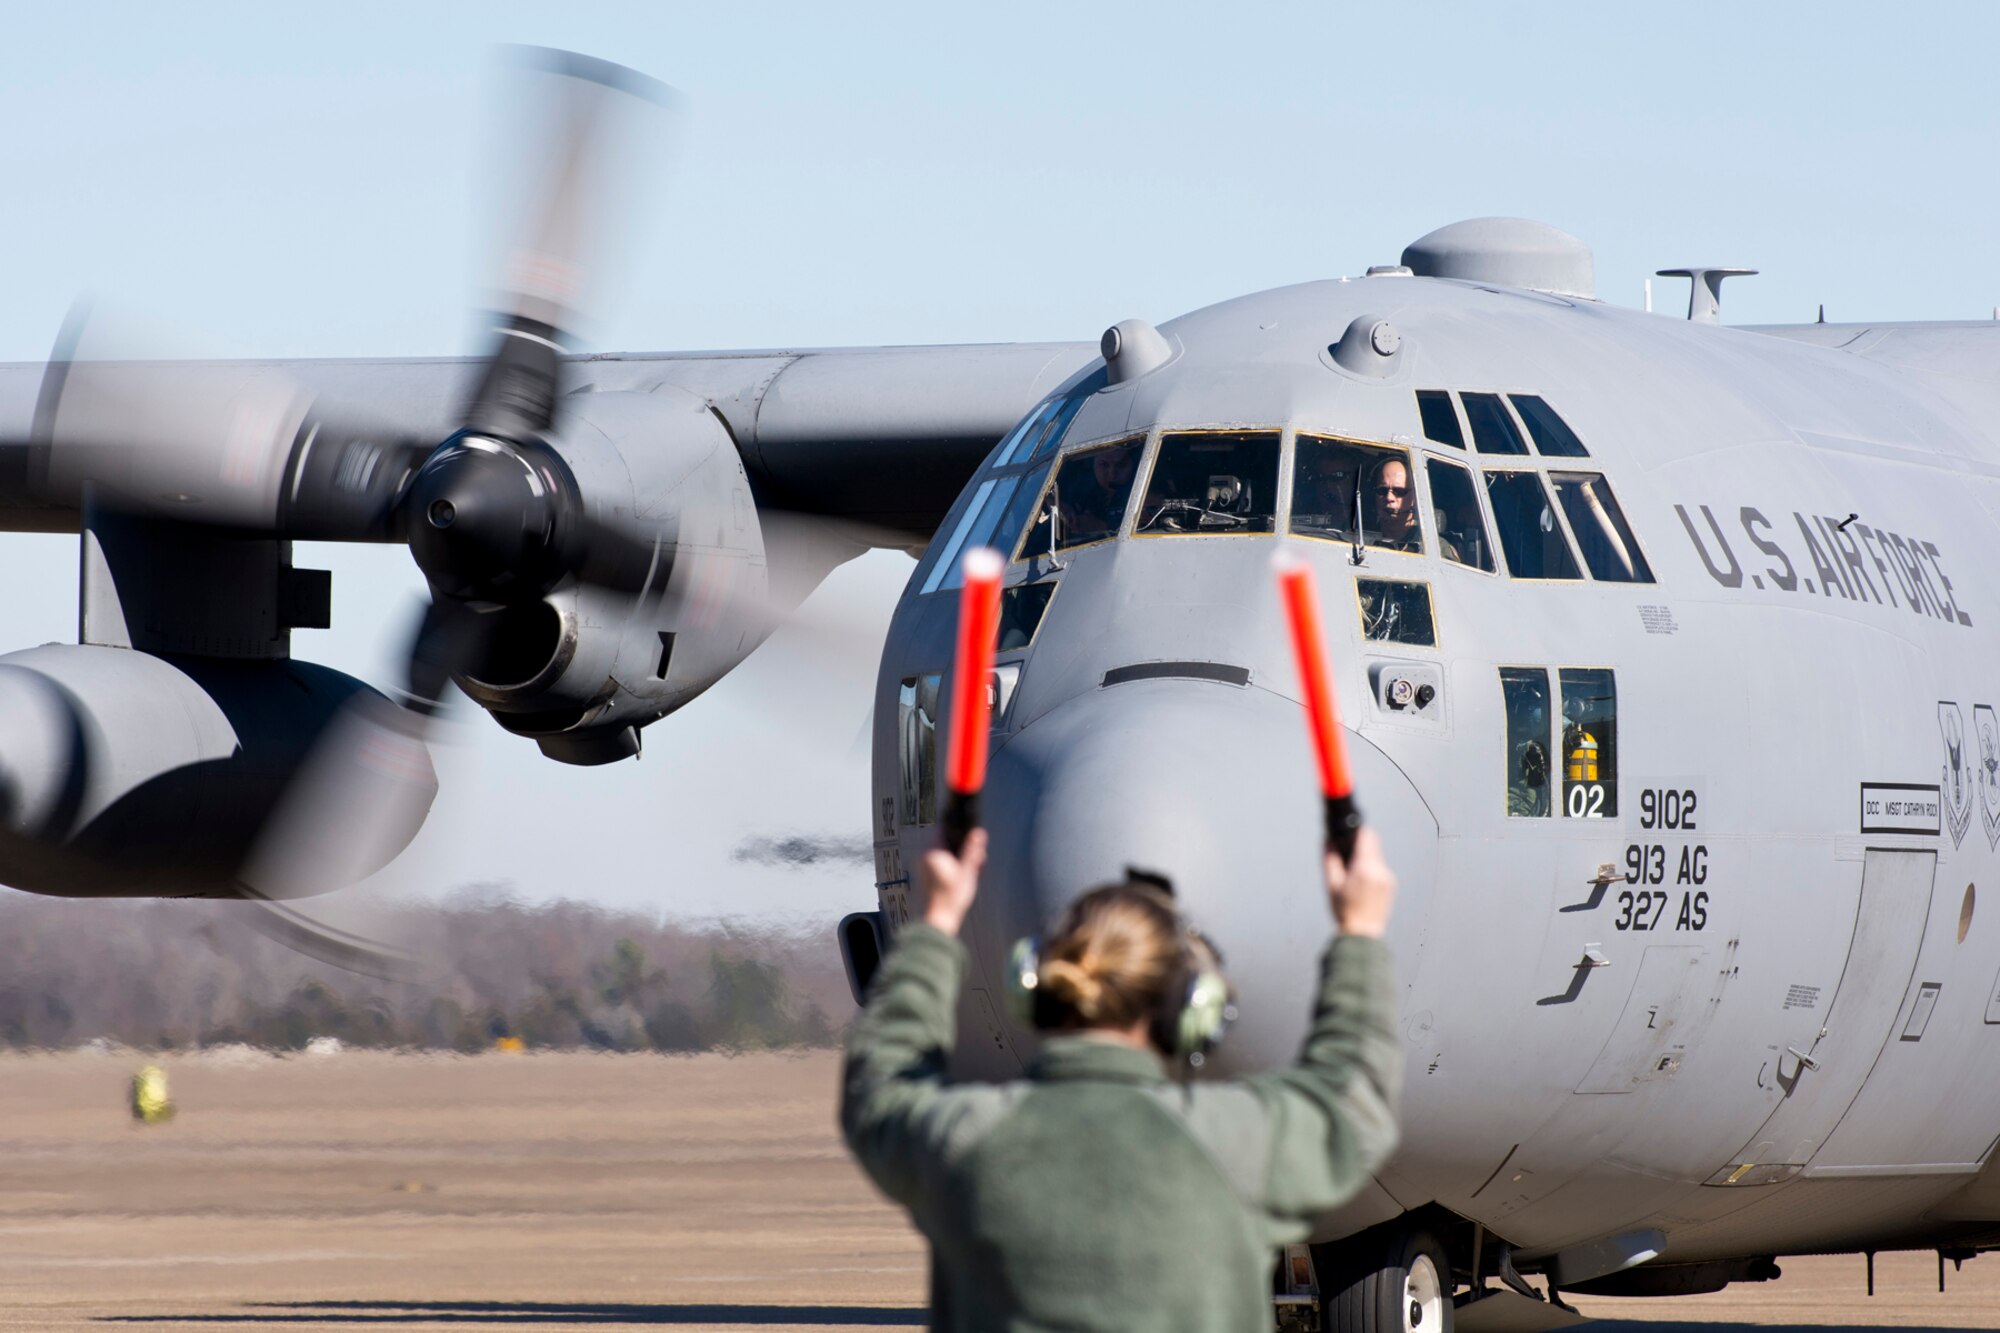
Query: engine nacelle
[(584, 669), (123, 774)]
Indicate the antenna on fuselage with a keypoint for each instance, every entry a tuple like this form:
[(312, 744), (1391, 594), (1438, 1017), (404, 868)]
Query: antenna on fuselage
[(1705, 289)]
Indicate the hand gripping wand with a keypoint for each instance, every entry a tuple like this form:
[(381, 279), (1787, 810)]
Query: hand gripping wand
[(1343, 816), (971, 695)]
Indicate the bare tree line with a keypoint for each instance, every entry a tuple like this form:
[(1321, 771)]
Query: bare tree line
[(179, 975)]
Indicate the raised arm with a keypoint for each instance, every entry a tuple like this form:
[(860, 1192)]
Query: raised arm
[(894, 1110), (1332, 1116)]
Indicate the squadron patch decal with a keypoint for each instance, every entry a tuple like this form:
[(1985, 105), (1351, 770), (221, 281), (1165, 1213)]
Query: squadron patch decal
[(1956, 784), (1987, 727)]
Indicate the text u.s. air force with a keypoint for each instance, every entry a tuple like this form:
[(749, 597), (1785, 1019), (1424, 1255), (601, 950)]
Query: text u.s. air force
[(1840, 558)]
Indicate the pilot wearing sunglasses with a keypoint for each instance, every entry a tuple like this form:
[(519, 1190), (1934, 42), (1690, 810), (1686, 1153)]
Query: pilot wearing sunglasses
[(1392, 503)]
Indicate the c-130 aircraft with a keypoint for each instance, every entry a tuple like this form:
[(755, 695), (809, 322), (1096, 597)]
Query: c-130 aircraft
[(1656, 642)]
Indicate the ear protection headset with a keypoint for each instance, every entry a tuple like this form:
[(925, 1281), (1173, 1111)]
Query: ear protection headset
[(1197, 1005)]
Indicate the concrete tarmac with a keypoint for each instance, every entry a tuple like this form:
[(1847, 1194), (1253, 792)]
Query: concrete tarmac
[(553, 1191)]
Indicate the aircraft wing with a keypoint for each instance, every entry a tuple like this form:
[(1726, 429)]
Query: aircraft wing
[(884, 436)]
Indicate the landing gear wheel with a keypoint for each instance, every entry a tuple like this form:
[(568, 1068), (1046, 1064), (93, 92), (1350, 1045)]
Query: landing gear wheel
[(1392, 1279)]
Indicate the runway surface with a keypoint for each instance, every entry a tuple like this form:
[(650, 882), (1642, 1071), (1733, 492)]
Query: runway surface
[(361, 1190)]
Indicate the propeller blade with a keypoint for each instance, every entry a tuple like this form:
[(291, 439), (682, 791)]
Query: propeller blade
[(302, 929), (579, 151), (218, 442), (452, 639), (584, 139), (358, 798)]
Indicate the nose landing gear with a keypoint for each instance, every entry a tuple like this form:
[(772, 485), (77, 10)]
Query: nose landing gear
[(1390, 1278)]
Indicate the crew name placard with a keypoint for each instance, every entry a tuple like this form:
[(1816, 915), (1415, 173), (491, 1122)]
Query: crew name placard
[(1899, 807)]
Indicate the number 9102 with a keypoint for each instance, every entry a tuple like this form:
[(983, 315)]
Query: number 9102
[(1667, 808)]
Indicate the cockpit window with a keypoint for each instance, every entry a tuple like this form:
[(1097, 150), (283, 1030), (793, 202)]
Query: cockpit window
[(1396, 611), (1525, 692), (1589, 743), (1021, 612), (1601, 531), (1030, 431), (998, 509), (1213, 483), (916, 747), (1086, 502), (1037, 437), (1331, 476), (1440, 418), (1529, 534), (999, 522), (946, 563), (1460, 526), (1493, 431), (1552, 434)]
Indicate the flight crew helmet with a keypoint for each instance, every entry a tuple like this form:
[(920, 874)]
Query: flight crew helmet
[(1119, 954)]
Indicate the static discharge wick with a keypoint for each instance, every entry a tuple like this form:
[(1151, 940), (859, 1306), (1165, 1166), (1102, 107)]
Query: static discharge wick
[(1343, 817), (971, 701)]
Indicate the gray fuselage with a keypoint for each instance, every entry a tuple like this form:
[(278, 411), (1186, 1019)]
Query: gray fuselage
[(1722, 1036)]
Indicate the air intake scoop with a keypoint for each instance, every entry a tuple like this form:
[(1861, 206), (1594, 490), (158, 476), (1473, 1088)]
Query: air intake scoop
[(1507, 252)]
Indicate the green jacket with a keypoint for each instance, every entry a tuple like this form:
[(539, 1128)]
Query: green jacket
[(1097, 1194)]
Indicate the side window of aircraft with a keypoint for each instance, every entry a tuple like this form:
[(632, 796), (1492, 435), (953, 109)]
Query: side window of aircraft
[(1461, 528), (1396, 611), (1021, 611), (1038, 436), (1029, 433), (1440, 418), (1086, 501), (1332, 475), (1010, 517), (1589, 743), (1605, 538), (1213, 483), (1493, 431), (998, 509), (944, 564), (916, 733), (1529, 534), (1551, 433), (1525, 692)]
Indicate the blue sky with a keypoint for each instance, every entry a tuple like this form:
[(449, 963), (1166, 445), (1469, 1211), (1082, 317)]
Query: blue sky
[(307, 186)]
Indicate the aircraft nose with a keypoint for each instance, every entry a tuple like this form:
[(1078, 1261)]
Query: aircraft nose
[(1212, 785)]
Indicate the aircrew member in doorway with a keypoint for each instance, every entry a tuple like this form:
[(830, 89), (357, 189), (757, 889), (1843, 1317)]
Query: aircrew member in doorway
[(1099, 1193)]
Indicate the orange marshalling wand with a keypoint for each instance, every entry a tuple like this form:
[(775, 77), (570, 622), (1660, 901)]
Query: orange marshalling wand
[(1343, 817), (971, 699)]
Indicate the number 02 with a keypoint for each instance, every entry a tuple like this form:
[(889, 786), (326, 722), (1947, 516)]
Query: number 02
[(1586, 801)]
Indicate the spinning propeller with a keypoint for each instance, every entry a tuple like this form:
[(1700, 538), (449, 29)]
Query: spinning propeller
[(492, 514)]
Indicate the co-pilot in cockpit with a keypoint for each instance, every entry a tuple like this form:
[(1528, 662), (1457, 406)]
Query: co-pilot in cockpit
[(1091, 497), (1341, 489), (1392, 505)]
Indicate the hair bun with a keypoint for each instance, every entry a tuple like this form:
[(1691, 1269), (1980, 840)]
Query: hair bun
[(1071, 985)]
